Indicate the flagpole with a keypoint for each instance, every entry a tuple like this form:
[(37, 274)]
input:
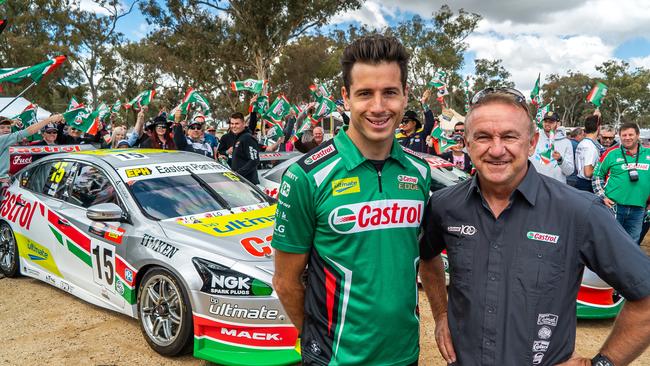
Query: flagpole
[(18, 96)]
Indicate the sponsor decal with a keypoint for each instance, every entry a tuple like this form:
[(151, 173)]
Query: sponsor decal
[(31, 272), (232, 176), (273, 193), (407, 179), (548, 238), (291, 176), (314, 348), (637, 166), (158, 246), (258, 247), (111, 233), (37, 252), (236, 224), (537, 358), (540, 346), (468, 230), (50, 279), (375, 215), (229, 283), (21, 160), (280, 228), (437, 162), (544, 332), (547, 319), (345, 186), (234, 311), (65, 286), (18, 210), (44, 149), (128, 275), (137, 172), (285, 188), (119, 287), (620, 160), (320, 154)]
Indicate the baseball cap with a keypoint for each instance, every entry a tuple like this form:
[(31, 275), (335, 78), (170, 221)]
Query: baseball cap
[(50, 127), (123, 142), (5, 121), (553, 116), (197, 120)]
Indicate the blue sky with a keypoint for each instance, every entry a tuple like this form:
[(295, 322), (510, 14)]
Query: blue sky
[(529, 36)]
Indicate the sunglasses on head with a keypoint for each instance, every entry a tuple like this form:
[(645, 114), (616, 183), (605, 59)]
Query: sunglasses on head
[(516, 94)]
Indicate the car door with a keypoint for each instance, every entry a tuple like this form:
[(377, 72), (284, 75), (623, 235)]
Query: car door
[(98, 273)]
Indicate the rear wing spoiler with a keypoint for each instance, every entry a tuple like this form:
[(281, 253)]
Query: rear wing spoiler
[(21, 156), (278, 156)]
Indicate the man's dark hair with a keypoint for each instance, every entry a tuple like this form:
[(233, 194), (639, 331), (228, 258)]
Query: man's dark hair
[(575, 132), (459, 124), (237, 115), (373, 50), (628, 125), (592, 123), (5, 120)]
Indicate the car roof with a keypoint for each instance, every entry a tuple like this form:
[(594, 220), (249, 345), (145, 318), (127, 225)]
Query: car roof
[(121, 158)]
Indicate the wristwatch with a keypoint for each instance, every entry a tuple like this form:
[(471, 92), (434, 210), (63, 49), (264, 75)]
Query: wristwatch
[(601, 360), (560, 160)]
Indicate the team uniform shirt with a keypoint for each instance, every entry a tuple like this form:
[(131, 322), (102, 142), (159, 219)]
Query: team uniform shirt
[(587, 153), (618, 187), (514, 279), (360, 228)]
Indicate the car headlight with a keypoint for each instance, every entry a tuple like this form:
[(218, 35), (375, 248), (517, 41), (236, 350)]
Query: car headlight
[(220, 280)]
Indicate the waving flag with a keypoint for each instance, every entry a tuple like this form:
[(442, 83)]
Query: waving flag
[(27, 117), (535, 97), (324, 108), (597, 94), (103, 111), (116, 106), (192, 97), (307, 124), (261, 105), (36, 72), (252, 85), (82, 119), (141, 100), (441, 142), (74, 103), (319, 91), (278, 110)]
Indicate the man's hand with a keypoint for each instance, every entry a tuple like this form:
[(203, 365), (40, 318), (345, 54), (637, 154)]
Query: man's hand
[(609, 203), (425, 96), (178, 115), (556, 155), (229, 151), (443, 338)]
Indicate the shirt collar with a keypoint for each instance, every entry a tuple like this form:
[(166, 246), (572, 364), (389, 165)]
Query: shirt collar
[(354, 158), (528, 187)]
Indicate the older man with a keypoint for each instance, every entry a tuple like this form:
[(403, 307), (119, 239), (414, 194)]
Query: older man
[(309, 144), (517, 243)]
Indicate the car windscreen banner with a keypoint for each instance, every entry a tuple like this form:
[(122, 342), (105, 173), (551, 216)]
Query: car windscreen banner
[(21, 156)]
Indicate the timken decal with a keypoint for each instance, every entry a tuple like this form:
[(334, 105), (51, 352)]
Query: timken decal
[(548, 238), (375, 215), (158, 246), (320, 154)]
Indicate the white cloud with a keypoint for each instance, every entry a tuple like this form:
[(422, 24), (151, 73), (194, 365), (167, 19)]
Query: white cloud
[(93, 7), (370, 14), (527, 55), (640, 62)]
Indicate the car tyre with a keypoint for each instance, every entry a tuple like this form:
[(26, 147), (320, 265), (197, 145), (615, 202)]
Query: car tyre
[(9, 258), (165, 313)]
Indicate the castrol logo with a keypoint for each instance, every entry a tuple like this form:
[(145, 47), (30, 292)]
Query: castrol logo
[(376, 215)]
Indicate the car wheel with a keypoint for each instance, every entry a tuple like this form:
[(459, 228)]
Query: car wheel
[(165, 313), (9, 259)]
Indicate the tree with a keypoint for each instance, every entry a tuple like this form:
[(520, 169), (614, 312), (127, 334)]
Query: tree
[(568, 94), (628, 96), (490, 73)]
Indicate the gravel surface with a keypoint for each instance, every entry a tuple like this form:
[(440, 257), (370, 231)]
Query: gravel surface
[(41, 324)]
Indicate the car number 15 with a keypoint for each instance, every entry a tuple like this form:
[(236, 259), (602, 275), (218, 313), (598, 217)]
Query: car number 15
[(103, 265)]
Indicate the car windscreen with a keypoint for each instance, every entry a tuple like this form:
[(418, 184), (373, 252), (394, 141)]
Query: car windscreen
[(182, 195), (445, 177)]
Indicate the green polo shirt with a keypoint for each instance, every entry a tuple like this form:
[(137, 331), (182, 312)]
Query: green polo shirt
[(613, 167), (360, 228)]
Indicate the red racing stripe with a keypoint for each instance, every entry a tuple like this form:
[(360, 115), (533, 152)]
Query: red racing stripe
[(330, 288), (244, 335), (75, 235)]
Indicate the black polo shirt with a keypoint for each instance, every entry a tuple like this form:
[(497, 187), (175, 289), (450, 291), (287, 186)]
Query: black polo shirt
[(514, 280)]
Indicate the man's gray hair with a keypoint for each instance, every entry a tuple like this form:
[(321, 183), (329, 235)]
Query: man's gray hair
[(498, 98), (607, 128)]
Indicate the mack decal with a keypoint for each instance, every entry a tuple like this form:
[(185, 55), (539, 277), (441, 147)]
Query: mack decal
[(375, 215), (259, 336), (158, 246)]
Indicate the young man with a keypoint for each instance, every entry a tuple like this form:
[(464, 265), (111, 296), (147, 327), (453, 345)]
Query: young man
[(349, 213), (622, 179), (517, 243), (245, 151), (552, 138), (587, 154)]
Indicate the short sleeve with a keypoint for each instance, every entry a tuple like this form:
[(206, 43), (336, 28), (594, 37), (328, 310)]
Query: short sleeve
[(609, 251), (295, 218), (430, 239), (591, 156)]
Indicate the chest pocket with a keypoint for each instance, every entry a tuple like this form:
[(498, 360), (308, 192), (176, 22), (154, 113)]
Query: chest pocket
[(540, 266), (460, 257)]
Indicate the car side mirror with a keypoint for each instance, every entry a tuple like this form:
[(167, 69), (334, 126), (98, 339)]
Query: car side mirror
[(105, 212)]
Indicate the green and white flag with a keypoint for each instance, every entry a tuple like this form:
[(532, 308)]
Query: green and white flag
[(307, 124), (261, 105), (27, 117), (192, 97), (103, 112), (319, 91), (596, 95), (278, 110), (82, 119), (324, 108), (252, 85), (296, 109), (541, 112), (74, 103), (36, 72), (535, 96), (438, 82), (141, 100), (116, 106), (440, 140)]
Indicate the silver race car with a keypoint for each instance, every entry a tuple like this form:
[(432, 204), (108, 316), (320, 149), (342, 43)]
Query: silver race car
[(171, 238)]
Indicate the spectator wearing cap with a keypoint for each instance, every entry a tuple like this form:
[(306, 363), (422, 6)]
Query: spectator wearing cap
[(194, 141), (7, 138), (457, 156), (553, 155), (412, 134), (71, 136), (161, 137), (122, 144), (49, 134)]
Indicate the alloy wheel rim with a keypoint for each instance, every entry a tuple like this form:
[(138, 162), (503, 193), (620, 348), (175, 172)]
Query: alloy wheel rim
[(7, 248), (160, 310)]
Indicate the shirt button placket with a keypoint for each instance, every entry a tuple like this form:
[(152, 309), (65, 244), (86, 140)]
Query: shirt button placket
[(492, 296)]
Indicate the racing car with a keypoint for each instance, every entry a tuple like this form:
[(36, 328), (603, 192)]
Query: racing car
[(171, 238)]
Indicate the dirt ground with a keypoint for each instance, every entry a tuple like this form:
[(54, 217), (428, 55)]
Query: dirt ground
[(40, 324)]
